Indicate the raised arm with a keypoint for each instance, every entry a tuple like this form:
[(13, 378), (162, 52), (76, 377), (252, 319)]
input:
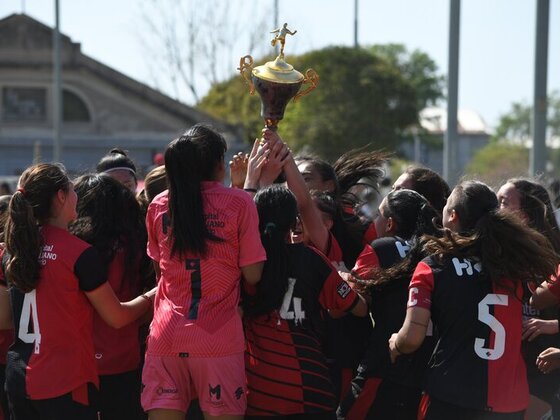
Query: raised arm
[(314, 228)]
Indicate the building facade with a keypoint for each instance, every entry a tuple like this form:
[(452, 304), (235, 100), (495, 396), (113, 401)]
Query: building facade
[(101, 108)]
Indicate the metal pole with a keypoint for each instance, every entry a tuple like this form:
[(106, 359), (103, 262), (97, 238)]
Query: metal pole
[(275, 15), (537, 163), (451, 137), (57, 91), (355, 23)]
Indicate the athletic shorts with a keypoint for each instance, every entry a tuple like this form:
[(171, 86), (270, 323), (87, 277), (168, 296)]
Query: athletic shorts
[(171, 382)]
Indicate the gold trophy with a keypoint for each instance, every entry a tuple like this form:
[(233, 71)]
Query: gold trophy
[(276, 81)]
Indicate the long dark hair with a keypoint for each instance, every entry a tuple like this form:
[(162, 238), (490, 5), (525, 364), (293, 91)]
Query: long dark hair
[(429, 184), (355, 167), (505, 246), (109, 218), (277, 209), (348, 231), (414, 216), (189, 160), (29, 208), (536, 204), (116, 158)]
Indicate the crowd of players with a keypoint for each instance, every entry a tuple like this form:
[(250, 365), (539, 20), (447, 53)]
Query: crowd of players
[(286, 294)]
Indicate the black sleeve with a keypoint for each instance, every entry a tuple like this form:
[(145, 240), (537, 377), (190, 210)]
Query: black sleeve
[(90, 270)]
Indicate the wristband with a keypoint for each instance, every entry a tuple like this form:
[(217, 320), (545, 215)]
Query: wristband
[(251, 190)]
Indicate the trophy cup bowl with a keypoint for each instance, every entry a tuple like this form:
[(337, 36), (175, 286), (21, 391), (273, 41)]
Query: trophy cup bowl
[(276, 82)]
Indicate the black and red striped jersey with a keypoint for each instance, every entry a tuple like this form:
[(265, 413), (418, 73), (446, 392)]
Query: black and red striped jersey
[(53, 352), (285, 365), (477, 362)]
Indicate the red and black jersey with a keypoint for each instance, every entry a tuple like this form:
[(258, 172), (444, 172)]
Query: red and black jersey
[(53, 349), (117, 350), (388, 310), (286, 369), (477, 362)]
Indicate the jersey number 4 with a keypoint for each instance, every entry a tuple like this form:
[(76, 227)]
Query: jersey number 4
[(29, 312), (297, 315), (485, 317)]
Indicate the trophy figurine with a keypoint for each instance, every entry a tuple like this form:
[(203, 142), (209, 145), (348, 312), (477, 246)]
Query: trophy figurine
[(276, 81)]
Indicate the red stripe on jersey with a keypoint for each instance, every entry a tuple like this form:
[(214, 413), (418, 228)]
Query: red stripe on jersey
[(334, 251), (423, 407), (371, 234), (365, 400), (421, 287), (507, 376), (366, 262)]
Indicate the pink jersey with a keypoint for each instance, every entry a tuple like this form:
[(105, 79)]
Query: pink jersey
[(195, 309)]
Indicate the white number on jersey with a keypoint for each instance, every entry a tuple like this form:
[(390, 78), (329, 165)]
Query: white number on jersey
[(498, 329), (29, 311), (297, 314)]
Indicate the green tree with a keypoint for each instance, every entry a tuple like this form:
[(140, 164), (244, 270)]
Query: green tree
[(417, 68), (515, 125), (496, 162), (361, 98)]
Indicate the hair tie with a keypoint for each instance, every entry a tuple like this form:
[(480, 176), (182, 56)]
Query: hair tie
[(21, 190), (269, 228)]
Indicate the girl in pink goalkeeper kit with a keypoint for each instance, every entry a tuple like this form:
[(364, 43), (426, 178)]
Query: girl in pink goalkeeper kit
[(203, 237)]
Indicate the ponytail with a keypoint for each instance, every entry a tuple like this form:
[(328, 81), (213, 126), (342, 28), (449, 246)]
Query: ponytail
[(277, 209), (189, 160), (30, 207)]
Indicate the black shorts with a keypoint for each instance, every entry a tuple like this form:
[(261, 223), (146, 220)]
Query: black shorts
[(119, 396), (3, 398), (439, 410), (58, 408)]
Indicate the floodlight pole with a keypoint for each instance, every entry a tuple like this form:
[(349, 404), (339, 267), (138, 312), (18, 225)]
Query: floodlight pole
[(537, 163), (355, 23), (451, 136), (57, 91)]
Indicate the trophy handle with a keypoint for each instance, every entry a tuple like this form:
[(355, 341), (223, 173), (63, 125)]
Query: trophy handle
[(311, 77), (245, 68)]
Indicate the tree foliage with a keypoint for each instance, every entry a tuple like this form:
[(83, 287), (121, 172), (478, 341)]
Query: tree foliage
[(515, 125), (417, 68), (497, 162), (363, 97)]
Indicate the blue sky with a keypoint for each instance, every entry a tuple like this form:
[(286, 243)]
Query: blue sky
[(496, 47)]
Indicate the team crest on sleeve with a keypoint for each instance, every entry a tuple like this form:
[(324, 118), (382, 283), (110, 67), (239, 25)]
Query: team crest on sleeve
[(343, 289)]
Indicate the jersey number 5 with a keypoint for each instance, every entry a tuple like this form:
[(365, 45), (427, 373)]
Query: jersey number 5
[(28, 312), (485, 317)]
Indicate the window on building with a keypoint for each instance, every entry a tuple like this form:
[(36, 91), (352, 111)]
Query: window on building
[(24, 104), (73, 108)]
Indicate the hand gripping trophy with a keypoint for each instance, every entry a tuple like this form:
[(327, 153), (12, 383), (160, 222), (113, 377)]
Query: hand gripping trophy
[(276, 81)]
